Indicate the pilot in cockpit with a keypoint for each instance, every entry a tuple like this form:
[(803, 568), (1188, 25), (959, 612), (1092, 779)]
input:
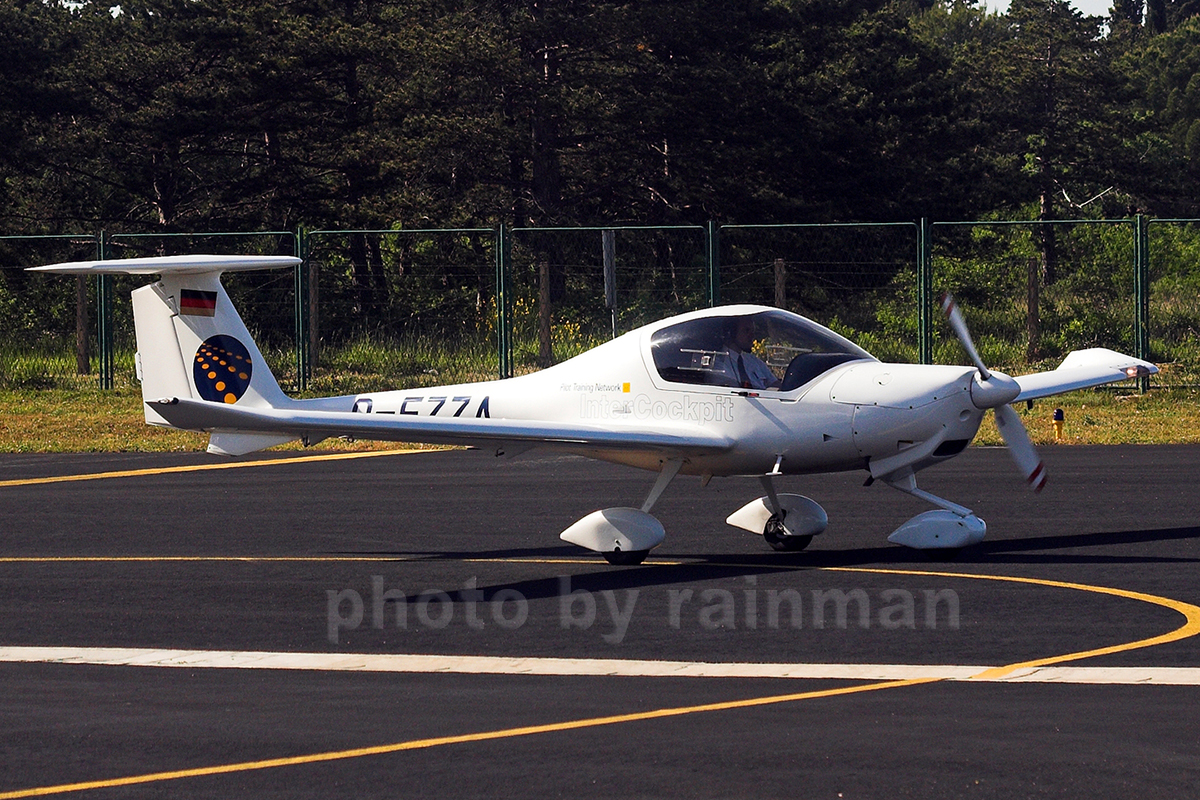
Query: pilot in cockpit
[(740, 364)]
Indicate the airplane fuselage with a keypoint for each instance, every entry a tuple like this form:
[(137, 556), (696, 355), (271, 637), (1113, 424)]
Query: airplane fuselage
[(844, 418)]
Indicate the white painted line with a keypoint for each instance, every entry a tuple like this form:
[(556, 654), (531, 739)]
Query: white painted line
[(1160, 676), (492, 665)]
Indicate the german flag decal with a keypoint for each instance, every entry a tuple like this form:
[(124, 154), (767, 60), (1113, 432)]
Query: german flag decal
[(222, 369), (197, 303)]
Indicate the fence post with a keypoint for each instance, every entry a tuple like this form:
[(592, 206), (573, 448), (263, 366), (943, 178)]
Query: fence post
[(104, 320), (545, 350), (83, 361), (925, 291), (608, 251), (1141, 249), (503, 321), (780, 283), (300, 288), (713, 245)]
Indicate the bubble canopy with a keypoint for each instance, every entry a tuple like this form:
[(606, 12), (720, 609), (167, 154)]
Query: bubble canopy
[(797, 350)]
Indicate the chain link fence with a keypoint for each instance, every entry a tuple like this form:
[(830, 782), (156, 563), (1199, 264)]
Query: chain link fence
[(572, 288), (860, 280), (48, 328), (1033, 292), (399, 308), (1173, 305), (377, 309)]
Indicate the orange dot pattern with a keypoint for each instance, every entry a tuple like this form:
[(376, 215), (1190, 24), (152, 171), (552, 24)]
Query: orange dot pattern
[(222, 369)]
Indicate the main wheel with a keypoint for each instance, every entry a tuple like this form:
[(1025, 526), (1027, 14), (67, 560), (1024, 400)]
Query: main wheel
[(775, 536), (626, 558)]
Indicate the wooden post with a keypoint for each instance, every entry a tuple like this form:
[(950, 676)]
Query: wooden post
[(780, 283), (545, 352), (83, 361), (314, 315), (1033, 324)]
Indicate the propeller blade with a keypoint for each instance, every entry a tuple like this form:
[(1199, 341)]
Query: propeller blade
[(1012, 430), (996, 395), (950, 309)]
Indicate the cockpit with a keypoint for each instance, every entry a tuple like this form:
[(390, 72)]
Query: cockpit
[(770, 349)]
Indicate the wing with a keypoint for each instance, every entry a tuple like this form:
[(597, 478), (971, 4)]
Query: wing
[(1082, 369), (678, 441)]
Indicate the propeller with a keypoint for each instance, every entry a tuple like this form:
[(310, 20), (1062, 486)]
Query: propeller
[(995, 390)]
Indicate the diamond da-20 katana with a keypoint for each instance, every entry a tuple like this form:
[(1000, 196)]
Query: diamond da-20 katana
[(734, 390)]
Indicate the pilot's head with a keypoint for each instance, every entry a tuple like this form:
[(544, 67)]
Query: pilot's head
[(740, 333)]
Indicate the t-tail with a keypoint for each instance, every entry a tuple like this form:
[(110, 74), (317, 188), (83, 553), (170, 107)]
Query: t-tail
[(191, 341)]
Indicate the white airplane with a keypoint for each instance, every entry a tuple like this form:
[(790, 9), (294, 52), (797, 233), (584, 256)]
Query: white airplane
[(735, 390)]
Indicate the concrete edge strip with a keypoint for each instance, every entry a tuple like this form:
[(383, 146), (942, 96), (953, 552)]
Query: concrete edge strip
[(581, 667)]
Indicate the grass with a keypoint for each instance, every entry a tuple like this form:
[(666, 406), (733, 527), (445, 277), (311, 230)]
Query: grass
[(89, 420), (1105, 416), (92, 421), (45, 408)]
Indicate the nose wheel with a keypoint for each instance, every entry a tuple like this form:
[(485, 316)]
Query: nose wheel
[(777, 537)]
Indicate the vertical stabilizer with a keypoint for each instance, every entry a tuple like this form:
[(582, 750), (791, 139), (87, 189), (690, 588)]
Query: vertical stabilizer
[(191, 341), (219, 359)]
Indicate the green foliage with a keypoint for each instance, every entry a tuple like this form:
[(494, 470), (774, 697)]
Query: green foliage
[(375, 114), (398, 116), (374, 364), (1161, 73)]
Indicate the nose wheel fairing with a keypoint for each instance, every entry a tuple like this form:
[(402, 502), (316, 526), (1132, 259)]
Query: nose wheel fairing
[(939, 530)]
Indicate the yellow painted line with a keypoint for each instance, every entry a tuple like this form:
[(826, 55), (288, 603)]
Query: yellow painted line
[(137, 473), (1191, 614), (440, 741)]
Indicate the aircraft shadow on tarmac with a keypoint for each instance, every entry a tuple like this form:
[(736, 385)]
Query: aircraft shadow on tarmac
[(698, 568), (1033, 550)]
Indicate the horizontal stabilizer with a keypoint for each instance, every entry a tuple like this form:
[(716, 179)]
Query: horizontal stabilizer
[(1082, 369), (163, 265)]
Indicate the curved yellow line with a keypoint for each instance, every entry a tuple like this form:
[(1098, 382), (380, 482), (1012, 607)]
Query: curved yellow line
[(438, 741), (1191, 627)]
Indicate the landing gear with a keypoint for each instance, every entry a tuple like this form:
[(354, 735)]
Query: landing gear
[(942, 533), (777, 536), (626, 558), (624, 536), (788, 522)]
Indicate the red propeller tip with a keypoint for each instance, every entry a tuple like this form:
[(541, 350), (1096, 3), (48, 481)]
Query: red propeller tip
[(947, 304), (1037, 478)]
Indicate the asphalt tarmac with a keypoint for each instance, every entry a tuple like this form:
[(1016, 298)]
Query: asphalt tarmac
[(410, 625)]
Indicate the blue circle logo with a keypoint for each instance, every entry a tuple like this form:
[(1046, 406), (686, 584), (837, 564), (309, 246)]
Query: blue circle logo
[(222, 369)]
